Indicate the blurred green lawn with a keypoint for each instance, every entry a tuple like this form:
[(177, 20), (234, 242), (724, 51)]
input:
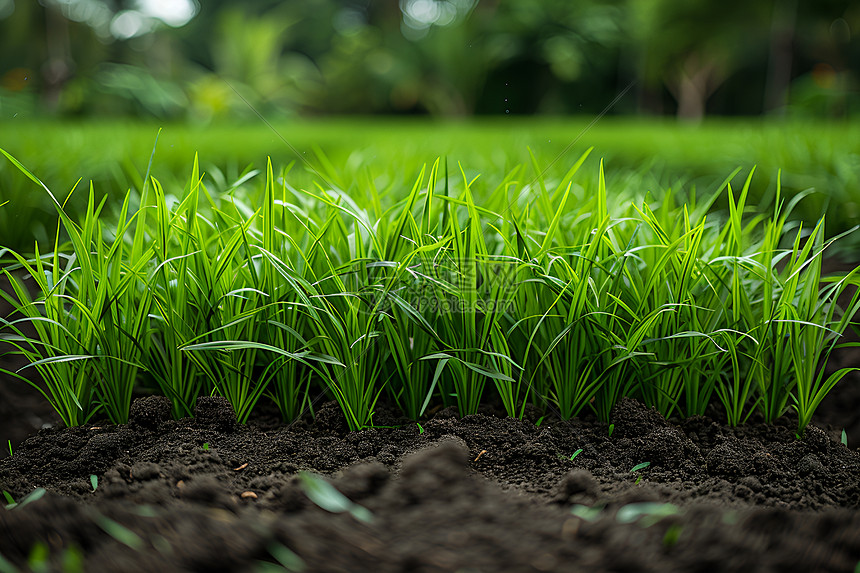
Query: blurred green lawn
[(114, 156)]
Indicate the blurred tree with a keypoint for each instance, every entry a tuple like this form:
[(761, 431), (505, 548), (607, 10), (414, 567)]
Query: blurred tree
[(170, 58), (752, 54), (252, 52), (74, 51), (693, 47), (827, 55), (551, 55), (780, 58)]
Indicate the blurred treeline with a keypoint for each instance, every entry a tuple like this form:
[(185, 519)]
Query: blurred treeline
[(184, 59)]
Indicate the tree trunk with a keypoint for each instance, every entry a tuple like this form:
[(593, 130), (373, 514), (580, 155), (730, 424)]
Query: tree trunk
[(691, 100), (57, 70), (779, 62), (697, 79)]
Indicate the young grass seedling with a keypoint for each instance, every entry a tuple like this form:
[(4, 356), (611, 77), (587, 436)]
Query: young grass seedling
[(120, 533), (587, 513), (286, 557), (323, 494), (638, 467), (576, 453), (645, 513), (673, 534), (38, 558), (844, 439), (6, 566), (34, 495)]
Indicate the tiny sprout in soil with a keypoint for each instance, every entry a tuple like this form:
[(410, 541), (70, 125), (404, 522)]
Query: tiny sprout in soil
[(323, 494), (638, 467), (34, 495)]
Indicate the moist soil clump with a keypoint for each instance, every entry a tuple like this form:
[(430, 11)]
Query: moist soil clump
[(481, 493)]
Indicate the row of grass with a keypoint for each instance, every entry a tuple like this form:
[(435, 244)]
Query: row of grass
[(547, 291)]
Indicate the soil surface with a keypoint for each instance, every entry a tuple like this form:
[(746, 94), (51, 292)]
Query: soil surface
[(481, 493), (484, 493)]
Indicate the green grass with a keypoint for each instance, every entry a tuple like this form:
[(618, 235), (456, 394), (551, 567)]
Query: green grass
[(114, 155), (436, 281)]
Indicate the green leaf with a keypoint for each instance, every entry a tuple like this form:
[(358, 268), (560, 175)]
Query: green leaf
[(587, 513), (286, 557), (323, 494), (646, 513), (34, 495), (6, 566), (120, 533)]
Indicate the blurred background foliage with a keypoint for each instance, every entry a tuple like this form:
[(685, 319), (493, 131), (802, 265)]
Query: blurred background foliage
[(85, 84), (198, 60)]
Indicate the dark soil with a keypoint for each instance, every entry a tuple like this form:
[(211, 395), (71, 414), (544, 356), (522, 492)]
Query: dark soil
[(483, 493)]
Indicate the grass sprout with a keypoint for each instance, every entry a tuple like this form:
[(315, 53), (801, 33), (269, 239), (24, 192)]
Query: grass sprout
[(323, 494), (641, 466), (646, 513), (34, 495)]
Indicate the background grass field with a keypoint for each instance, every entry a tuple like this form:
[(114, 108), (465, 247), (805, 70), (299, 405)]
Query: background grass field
[(659, 153)]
